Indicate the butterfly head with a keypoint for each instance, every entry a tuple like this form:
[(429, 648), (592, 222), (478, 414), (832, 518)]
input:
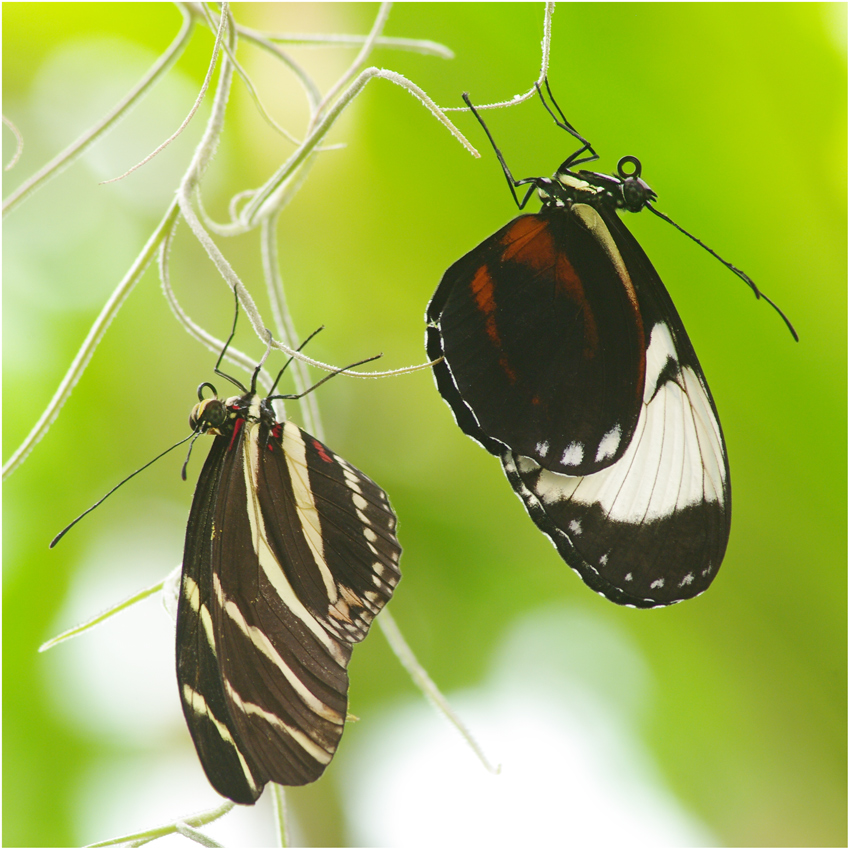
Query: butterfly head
[(208, 415)]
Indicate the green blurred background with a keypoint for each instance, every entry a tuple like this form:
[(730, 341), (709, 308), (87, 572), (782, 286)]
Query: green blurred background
[(738, 112)]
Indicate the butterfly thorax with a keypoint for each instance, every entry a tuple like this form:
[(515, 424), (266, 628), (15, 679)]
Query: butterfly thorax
[(598, 190)]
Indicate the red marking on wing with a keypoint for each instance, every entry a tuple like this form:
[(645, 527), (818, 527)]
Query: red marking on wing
[(568, 283), (237, 427), (275, 433), (506, 368), (320, 450), (529, 243), (482, 289)]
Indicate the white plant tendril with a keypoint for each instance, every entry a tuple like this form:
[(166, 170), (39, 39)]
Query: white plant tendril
[(250, 209)]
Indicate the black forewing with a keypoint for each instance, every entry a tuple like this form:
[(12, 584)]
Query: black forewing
[(543, 344), (229, 767), (285, 677), (343, 565), (652, 528)]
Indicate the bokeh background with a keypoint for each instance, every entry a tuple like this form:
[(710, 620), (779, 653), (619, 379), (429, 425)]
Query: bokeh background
[(719, 721)]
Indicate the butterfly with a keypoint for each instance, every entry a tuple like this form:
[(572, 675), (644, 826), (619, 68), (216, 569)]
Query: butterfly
[(558, 349), (290, 554)]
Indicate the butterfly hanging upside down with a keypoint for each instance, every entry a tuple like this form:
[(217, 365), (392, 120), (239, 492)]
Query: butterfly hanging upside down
[(559, 350), (290, 554)]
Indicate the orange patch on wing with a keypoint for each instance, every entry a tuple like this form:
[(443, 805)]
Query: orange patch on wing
[(506, 368), (482, 289), (569, 283), (529, 242), (567, 279)]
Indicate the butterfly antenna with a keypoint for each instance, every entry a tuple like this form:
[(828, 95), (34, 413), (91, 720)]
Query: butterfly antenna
[(291, 358), (218, 371), (119, 484), (745, 277), (326, 378)]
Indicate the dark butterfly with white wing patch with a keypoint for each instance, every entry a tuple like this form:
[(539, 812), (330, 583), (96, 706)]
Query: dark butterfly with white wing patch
[(560, 351), (290, 554)]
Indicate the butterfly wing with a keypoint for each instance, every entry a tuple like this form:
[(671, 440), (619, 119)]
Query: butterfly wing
[(652, 528), (343, 562), (228, 763), (293, 582), (542, 343)]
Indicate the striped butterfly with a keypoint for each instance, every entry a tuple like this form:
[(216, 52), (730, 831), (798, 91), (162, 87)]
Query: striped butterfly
[(290, 553)]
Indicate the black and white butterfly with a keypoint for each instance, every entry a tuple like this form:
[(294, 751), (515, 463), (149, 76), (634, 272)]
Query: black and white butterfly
[(290, 553), (559, 349)]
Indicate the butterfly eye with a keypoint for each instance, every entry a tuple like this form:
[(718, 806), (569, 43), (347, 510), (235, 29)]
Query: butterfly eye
[(208, 414)]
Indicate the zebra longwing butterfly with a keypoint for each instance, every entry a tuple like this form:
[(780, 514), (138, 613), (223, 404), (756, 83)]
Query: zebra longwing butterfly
[(290, 553), (558, 349)]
